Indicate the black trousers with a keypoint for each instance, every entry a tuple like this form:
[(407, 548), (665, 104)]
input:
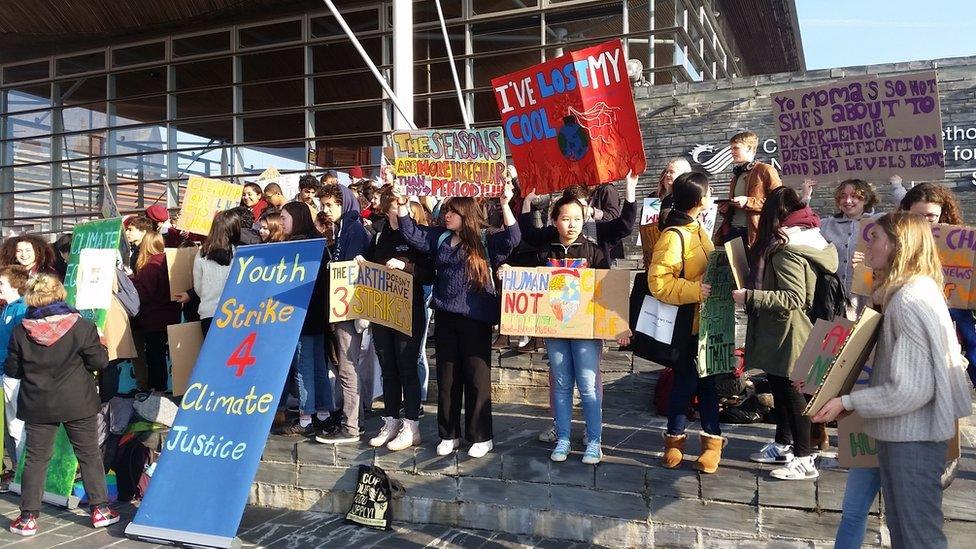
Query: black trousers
[(156, 349), (463, 354), (397, 354), (792, 427), (83, 434), (205, 325)]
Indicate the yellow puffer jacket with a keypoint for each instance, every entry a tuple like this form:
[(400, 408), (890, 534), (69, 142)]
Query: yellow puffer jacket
[(666, 263)]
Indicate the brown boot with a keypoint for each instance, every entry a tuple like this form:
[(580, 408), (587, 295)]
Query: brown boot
[(711, 453), (818, 437), (674, 447)]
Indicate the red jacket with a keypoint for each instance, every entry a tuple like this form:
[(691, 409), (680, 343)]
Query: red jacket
[(156, 309)]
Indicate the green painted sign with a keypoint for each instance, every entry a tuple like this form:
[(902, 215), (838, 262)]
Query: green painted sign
[(716, 327), (103, 234)]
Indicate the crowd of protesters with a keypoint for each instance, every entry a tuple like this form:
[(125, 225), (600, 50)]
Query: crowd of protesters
[(455, 249)]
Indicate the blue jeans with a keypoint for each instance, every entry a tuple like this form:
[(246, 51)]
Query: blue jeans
[(911, 485), (687, 384), (576, 361), (312, 375), (863, 485), (966, 328), (423, 368)]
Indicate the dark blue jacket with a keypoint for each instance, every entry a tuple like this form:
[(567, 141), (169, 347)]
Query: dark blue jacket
[(353, 238)]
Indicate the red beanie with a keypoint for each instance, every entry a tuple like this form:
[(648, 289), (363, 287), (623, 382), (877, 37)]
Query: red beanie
[(157, 213), (355, 173)]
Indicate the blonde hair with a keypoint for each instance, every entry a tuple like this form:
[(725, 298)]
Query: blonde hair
[(152, 244), (681, 167), (914, 254), (44, 289)]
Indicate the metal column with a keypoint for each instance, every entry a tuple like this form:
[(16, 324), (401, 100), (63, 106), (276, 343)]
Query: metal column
[(403, 62)]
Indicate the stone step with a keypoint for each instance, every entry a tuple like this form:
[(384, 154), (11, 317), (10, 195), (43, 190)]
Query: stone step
[(626, 501)]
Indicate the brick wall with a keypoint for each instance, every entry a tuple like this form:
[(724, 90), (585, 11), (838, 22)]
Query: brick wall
[(675, 119)]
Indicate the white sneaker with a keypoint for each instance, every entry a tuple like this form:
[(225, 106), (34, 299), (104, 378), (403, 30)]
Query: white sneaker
[(802, 468), (548, 435), (408, 436), (387, 432), (479, 449), (773, 453), (447, 446)]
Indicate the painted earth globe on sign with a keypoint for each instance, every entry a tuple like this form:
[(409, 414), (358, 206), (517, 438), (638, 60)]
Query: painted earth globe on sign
[(564, 296), (573, 139)]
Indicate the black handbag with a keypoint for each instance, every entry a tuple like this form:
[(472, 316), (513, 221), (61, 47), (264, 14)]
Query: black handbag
[(676, 353), (371, 505)]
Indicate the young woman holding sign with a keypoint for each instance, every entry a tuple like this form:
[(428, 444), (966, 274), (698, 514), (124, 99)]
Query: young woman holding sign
[(789, 251), (918, 387), (397, 352), (674, 276), (466, 305), (157, 310), (575, 361)]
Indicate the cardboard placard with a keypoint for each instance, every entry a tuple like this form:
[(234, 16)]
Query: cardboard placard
[(451, 162), (571, 120), (90, 281), (372, 292), (716, 326), (185, 341), (956, 245), (179, 267), (203, 199), (565, 302), (209, 459), (844, 371), (738, 261), (820, 351), (867, 127), (651, 214)]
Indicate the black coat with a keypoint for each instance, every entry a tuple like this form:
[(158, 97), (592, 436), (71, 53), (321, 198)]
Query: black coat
[(389, 244), (56, 381)]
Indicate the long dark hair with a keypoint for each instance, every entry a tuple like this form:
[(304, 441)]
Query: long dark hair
[(302, 226), (688, 190), (770, 238), (473, 220), (224, 232)]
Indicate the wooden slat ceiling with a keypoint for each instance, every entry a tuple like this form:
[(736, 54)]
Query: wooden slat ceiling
[(35, 28), (767, 34)]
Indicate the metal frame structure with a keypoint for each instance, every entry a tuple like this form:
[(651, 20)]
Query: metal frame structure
[(48, 182)]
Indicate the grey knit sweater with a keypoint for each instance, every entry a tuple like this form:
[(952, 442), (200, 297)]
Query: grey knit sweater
[(918, 386)]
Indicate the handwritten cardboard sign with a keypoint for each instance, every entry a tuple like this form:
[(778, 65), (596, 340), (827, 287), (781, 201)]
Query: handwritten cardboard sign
[(179, 267), (738, 261), (203, 199), (372, 292), (571, 120), (867, 127), (651, 215), (565, 302), (716, 325), (826, 340), (185, 341), (845, 369), (451, 162), (956, 245)]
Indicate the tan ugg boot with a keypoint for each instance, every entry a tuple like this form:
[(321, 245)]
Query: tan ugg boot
[(711, 453), (674, 447)]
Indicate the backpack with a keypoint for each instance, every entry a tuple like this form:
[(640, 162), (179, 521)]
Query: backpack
[(830, 298), (132, 461), (127, 295)]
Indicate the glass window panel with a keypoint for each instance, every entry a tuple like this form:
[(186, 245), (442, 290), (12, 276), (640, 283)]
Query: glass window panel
[(28, 151), (273, 64), (283, 156), (359, 21), (495, 6), (493, 36), (85, 62), (202, 43), (346, 87), (89, 89), (143, 53), (334, 122), (143, 109), (485, 107), (429, 44), (277, 127), (34, 182), (273, 95), (274, 33), (341, 56), (210, 72), (193, 134), (204, 162), (205, 102), (346, 151), (82, 145), (486, 68), (436, 77), (27, 98), (425, 11), (28, 71), (584, 23), (142, 140), (29, 124), (85, 118), (445, 112), (140, 82)]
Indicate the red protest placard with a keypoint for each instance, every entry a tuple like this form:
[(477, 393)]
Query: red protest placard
[(571, 120)]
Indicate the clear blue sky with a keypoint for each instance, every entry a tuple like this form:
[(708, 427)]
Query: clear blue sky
[(841, 33)]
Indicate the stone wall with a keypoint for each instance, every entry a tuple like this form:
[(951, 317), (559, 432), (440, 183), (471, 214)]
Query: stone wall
[(696, 120)]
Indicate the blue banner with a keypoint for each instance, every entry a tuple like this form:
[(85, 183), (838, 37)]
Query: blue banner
[(203, 477)]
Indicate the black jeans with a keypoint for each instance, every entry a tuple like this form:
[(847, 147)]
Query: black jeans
[(205, 325), (463, 354), (397, 353), (156, 349), (83, 434), (792, 427)]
